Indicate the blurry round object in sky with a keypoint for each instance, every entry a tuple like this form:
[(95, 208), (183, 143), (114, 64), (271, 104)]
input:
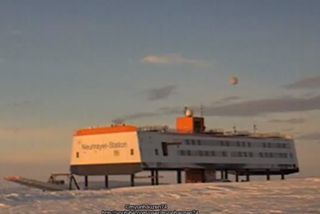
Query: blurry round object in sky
[(233, 80)]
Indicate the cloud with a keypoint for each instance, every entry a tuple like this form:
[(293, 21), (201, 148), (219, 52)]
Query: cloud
[(289, 121), (161, 93), (258, 107), (265, 106), (135, 116), (30, 134), (172, 59), (227, 99), (313, 136), (306, 83), (16, 32), (24, 104), (246, 108)]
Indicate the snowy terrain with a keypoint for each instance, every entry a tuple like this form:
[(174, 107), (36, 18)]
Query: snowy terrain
[(289, 196)]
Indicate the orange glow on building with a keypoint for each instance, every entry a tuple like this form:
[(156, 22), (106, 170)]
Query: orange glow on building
[(105, 130)]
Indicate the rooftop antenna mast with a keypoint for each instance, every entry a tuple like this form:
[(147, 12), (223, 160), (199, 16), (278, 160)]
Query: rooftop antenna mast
[(201, 110), (117, 121), (254, 128), (185, 109), (234, 129)]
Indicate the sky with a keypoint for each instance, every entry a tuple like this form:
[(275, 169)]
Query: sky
[(66, 65)]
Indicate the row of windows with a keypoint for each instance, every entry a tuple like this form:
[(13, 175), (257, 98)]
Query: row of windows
[(115, 153), (203, 153), (236, 143), (233, 154)]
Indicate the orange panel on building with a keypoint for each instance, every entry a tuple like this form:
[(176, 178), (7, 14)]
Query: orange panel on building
[(190, 124)]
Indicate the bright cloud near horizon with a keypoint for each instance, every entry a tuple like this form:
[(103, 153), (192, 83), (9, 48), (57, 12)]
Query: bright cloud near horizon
[(172, 59), (66, 65)]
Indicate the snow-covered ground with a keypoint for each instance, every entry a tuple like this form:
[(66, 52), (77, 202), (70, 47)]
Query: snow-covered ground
[(289, 196)]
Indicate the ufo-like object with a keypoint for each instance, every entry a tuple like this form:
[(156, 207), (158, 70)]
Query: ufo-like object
[(233, 80)]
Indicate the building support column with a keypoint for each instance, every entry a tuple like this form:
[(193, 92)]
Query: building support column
[(157, 177), (106, 181), (132, 179), (226, 174), (268, 174), (237, 176), (282, 176), (247, 175), (86, 181), (221, 175), (152, 176), (179, 176)]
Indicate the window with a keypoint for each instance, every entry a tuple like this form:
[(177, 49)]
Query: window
[(199, 142), (77, 154), (164, 149), (193, 142), (131, 152), (189, 153), (213, 153), (156, 152), (187, 142), (182, 153), (116, 153), (224, 154)]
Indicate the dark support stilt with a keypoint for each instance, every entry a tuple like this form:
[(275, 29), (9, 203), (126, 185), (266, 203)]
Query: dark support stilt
[(221, 175), (226, 174), (203, 176), (179, 176), (157, 177), (132, 179), (86, 181), (106, 181), (247, 175), (282, 176), (152, 177), (237, 176), (70, 182), (72, 179), (268, 174)]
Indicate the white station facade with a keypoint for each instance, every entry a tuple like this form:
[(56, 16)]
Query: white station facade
[(123, 149)]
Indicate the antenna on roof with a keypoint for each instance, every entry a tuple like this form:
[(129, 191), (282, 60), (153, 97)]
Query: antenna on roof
[(117, 121), (185, 109), (201, 110), (254, 128), (188, 112), (234, 129)]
